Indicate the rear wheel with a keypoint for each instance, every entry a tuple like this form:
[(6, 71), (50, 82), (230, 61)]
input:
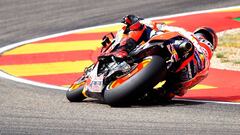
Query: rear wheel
[(76, 92), (130, 87)]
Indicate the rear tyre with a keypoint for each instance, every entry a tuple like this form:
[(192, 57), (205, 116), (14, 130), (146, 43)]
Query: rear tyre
[(136, 85), (75, 95)]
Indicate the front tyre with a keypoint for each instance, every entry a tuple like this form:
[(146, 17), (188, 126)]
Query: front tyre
[(75, 93), (145, 76)]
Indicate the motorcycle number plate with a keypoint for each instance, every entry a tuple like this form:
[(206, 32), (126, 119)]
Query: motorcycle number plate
[(96, 84)]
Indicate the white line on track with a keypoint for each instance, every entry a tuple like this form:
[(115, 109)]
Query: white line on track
[(13, 78), (206, 101), (12, 46)]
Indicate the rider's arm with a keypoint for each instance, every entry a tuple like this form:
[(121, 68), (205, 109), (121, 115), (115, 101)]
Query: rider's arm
[(166, 28), (189, 35)]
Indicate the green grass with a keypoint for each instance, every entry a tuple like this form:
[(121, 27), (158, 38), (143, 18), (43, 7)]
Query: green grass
[(220, 55), (225, 60), (236, 62)]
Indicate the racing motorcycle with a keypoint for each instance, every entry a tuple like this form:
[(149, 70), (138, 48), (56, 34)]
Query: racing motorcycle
[(122, 81)]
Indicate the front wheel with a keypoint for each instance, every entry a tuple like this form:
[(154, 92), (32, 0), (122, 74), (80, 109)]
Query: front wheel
[(145, 76), (75, 92)]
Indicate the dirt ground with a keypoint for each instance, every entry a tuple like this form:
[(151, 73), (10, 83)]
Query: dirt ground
[(227, 54)]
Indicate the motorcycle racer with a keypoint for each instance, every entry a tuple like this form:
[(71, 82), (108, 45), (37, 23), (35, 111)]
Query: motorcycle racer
[(190, 60)]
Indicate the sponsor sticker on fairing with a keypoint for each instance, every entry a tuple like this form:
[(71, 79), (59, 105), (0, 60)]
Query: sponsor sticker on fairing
[(96, 84)]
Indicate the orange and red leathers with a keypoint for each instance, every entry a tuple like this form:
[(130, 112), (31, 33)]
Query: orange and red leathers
[(133, 36), (191, 71)]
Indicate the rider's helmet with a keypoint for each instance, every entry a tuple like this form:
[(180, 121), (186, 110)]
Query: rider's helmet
[(208, 34), (132, 22)]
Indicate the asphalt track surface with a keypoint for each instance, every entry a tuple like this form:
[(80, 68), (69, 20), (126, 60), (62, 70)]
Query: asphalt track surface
[(26, 109)]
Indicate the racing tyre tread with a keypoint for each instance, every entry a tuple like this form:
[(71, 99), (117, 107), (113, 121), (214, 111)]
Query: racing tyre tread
[(75, 95), (138, 84)]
